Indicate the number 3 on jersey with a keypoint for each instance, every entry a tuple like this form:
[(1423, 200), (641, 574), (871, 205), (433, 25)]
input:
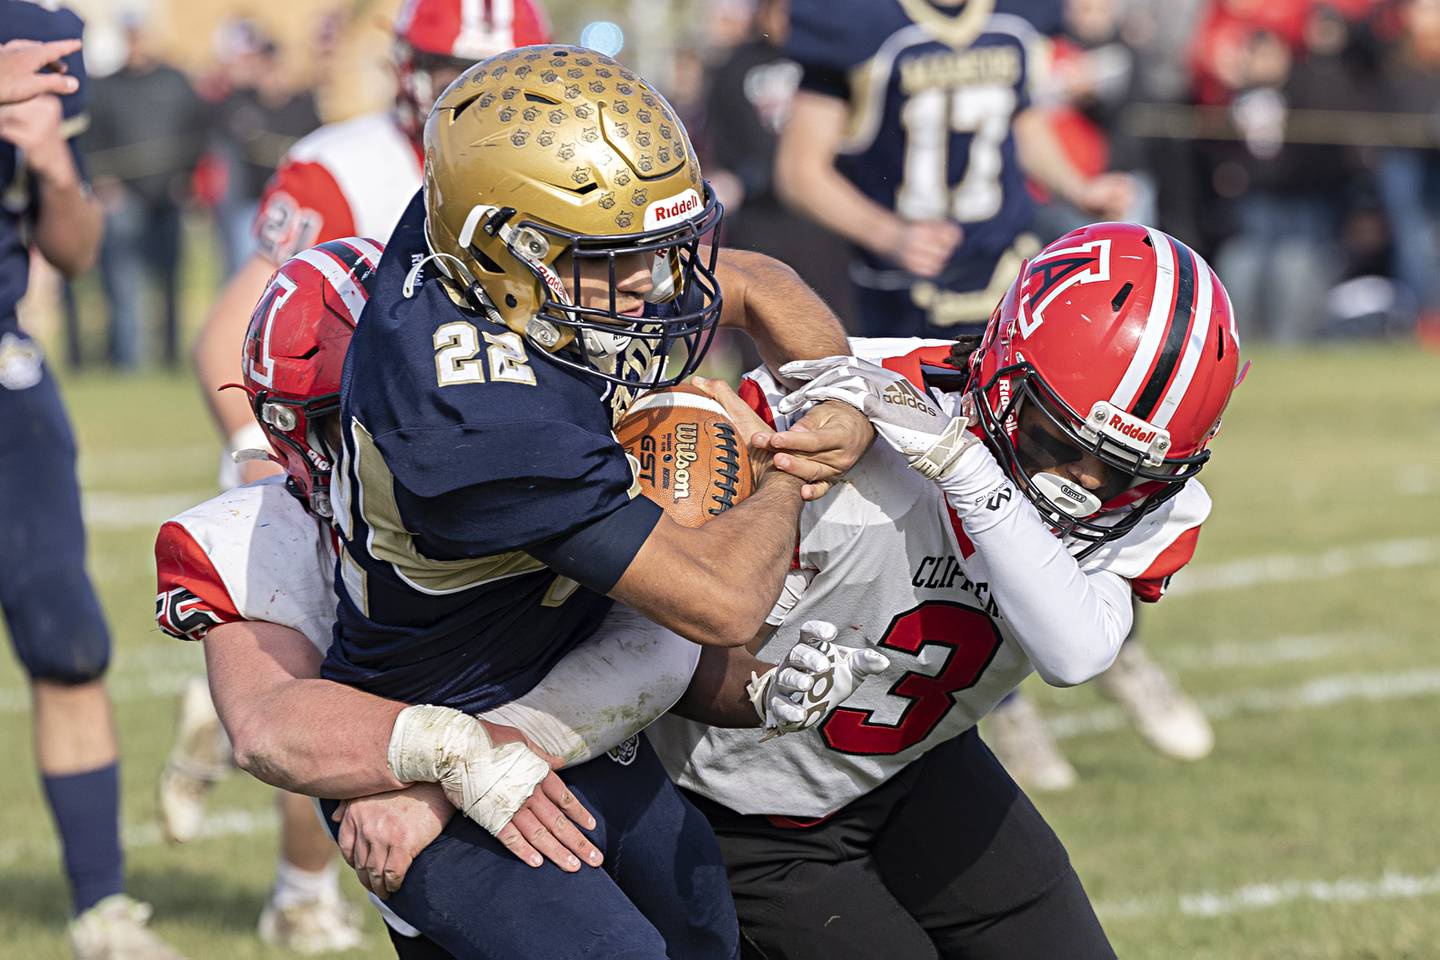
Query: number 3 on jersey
[(457, 350), (972, 640)]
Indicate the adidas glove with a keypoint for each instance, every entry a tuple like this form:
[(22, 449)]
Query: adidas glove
[(911, 422), (935, 444)]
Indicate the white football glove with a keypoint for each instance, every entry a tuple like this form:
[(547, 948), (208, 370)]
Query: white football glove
[(914, 424), (487, 783), (815, 677)]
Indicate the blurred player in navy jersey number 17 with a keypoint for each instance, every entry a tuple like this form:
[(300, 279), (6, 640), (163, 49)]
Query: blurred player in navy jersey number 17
[(51, 610), (912, 136)]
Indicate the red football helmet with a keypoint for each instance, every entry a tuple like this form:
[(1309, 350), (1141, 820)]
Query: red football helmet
[(294, 353), (430, 34), (1123, 337)]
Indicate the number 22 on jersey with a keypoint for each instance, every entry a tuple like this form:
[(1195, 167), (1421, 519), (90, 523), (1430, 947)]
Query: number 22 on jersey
[(457, 356), (971, 638), (933, 120)]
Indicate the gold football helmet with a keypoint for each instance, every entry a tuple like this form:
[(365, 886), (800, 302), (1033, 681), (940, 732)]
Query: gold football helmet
[(550, 152)]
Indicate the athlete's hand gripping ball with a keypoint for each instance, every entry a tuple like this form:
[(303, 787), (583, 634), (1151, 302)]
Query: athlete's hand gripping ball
[(816, 676), (911, 422)]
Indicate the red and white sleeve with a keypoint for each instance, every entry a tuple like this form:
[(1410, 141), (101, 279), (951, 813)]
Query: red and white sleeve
[(190, 597), (302, 205)]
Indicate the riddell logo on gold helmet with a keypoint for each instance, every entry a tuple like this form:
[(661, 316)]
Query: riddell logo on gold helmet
[(671, 209)]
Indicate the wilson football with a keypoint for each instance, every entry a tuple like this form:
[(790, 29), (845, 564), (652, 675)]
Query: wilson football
[(688, 456)]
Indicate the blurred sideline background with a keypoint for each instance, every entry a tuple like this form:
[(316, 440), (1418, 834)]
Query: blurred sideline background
[(1293, 143)]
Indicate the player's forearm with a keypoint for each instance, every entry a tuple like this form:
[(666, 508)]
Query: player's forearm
[(1069, 623), (288, 727), (1043, 157), (822, 194), (806, 178), (320, 739), (604, 691), (715, 585), (216, 354), (717, 693), (67, 232), (786, 319)]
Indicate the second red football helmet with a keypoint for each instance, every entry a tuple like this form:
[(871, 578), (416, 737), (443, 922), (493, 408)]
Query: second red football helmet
[(1123, 337), (431, 33), (295, 351)]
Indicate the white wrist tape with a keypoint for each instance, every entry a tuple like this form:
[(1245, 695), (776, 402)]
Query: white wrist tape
[(487, 783)]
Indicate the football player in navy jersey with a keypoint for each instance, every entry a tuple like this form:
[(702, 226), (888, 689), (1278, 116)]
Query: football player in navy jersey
[(53, 615), (559, 261), (912, 136)]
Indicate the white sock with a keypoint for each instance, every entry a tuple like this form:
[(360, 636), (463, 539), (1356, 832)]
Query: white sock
[(295, 886)]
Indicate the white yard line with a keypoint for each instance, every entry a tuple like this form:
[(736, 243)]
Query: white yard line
[(1302, 567), (1299, 648), (106, 510), (123, 687), (1317, 692), (1261, 896), (218, 823)]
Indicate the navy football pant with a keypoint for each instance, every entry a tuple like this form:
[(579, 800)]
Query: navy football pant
[(948, 860), (51, 611), (662, 891)]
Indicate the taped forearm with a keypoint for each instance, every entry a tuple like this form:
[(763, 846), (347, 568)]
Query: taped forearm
[(1069, 623), (487, 782)]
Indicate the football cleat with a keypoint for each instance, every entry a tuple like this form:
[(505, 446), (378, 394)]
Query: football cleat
[(1016, 733), (1166, 718), (114, 929), (325, 925), (199, 758)]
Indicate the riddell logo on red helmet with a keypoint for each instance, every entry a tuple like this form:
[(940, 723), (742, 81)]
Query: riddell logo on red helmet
[(1107, 420), (1133, 430), (671, 209)]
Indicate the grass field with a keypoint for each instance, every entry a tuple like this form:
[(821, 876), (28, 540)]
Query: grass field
[(1307, 629)]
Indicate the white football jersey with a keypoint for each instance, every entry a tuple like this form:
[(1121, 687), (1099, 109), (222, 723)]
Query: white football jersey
[(352, 178), (890, 566), (252, 553)]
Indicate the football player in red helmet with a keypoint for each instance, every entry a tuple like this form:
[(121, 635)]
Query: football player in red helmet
[(345, 179), (435, 40), (1101, 415), (292, 369), (1063, 448)]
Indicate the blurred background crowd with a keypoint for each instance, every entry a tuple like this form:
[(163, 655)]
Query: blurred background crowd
[(1292, 142)]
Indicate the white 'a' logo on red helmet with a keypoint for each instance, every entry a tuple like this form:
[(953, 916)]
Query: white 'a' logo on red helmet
[(1058, 271)]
